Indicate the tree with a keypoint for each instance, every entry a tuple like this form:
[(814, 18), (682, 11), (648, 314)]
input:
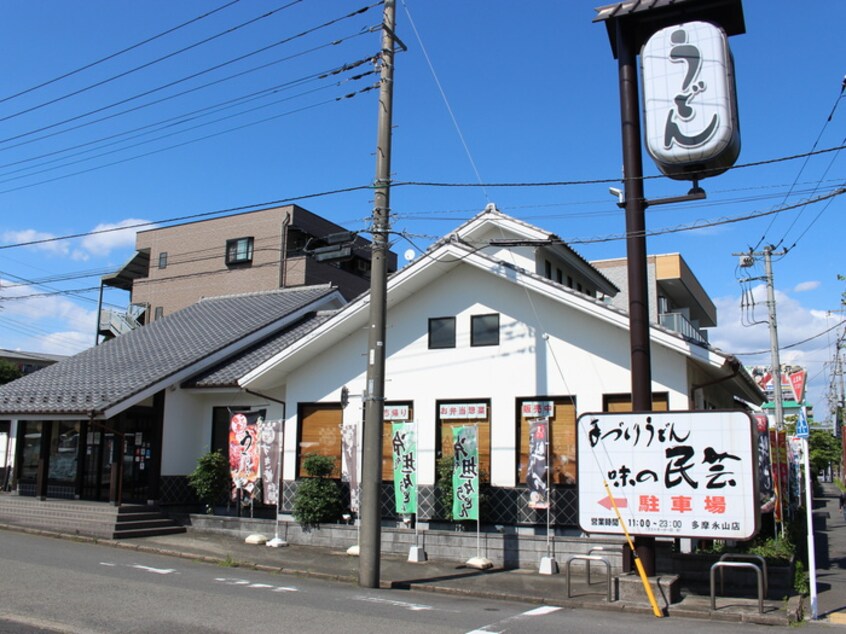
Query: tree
[(824, 450), (8, 372), (210, 478), (317, 499)]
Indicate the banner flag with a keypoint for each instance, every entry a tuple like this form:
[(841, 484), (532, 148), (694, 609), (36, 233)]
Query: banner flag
[(244, 451), (270, 453), (465, 474), (536, 474), (404, 446), (349, 447)]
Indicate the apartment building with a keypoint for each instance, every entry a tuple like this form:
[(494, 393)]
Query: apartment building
[(281, 247)]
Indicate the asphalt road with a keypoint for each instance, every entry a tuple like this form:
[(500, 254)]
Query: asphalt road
[(58, 585)]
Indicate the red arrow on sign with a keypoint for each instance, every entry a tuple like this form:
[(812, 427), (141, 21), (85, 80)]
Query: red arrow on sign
[(620, 502)]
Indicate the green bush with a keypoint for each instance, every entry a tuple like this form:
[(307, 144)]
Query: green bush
[(443, 482), (210, 479), (318, 499)]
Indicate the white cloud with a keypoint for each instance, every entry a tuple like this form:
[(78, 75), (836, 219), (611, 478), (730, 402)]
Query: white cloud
[(110, 236), (798, 326), (55, 247), (806, 286)]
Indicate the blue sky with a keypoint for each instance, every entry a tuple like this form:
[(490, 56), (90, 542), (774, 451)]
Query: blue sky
[(489, 90)]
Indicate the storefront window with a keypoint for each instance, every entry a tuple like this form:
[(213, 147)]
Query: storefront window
[(31, 434), (64, 445), (466, 413), (561, 415)]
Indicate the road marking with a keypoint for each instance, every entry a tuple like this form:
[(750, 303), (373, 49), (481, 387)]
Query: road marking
[(231, 581), (106, 563), (158, 571), (501, 626), (414, 607)]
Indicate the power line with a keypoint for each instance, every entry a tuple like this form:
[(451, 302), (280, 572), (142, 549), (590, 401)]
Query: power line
[(191, 141), (118, 53), (150, 63), (205, 214), (171, 134), (792, 345), (189, 77)]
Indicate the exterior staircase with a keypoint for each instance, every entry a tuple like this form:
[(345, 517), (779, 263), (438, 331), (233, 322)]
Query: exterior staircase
[(136, 520), (94, 519)]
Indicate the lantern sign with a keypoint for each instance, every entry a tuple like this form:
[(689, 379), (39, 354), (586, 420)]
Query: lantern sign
[(690, 107)]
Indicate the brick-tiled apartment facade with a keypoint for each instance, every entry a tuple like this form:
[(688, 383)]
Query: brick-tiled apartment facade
[(256, 251)]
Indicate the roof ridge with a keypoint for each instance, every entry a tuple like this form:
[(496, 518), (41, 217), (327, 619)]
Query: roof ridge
[(275, 291)]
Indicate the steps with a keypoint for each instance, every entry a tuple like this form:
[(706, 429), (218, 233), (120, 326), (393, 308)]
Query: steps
[(79, 517), (136, 520)]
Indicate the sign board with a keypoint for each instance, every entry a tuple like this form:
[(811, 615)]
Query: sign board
[(674, 474), (802, 429), (462, 411), (690, 110), (538, 409)]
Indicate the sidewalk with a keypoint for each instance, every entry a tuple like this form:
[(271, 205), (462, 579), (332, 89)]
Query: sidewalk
[(520, 585)]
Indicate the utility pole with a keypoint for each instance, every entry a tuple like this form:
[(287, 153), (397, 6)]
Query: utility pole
[(775, 360), (374, 411)]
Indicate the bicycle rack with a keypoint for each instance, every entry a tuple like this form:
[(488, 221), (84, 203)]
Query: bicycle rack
[(588, 559), (745, 557), (738, 564), (597, 549)]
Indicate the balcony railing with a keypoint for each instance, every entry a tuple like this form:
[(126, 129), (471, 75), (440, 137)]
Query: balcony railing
[(680, 324)]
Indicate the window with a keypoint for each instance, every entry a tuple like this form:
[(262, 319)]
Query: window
[(239, 251), (320, 433), (484, 330), (559, 276), (64, 440), (388, 434), (30, 449), (569, 281), (623, 402), (562, 441), (163, 260), (547, 269), (158, 313), (220, 427), (450, 420), (441, 332)]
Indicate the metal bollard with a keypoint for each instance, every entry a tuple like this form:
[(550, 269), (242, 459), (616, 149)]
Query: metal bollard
[(745, 557), (593, 550)]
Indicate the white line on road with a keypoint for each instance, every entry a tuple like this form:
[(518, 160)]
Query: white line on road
[(414, 607), (500, 626), (230, 581), (158, 571)]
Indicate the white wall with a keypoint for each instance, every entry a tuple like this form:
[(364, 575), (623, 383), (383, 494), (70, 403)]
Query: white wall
[(582, 357), (188, 424)]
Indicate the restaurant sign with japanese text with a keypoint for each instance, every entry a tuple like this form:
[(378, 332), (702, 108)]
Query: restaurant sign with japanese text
[(675, 474)]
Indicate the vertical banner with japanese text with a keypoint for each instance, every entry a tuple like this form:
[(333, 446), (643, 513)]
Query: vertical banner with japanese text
[(270, 452), (404, 446), (536, 474), (465, 473), (244, 452), (349, 447)]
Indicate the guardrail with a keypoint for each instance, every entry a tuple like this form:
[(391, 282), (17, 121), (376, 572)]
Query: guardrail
[(737, 565), (595, 549), (588, 559)]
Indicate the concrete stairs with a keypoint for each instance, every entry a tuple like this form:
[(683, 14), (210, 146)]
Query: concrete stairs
[(94, 519)]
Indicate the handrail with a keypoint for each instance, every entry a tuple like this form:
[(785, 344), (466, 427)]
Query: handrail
[(588, 559), (746, 557), (738, 564)]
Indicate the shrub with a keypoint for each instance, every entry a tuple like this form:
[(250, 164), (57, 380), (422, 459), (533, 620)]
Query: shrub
[(318, 499), (210, 479)]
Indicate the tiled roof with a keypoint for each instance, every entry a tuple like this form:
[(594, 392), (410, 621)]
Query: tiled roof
[(227, 373), (106, 375)]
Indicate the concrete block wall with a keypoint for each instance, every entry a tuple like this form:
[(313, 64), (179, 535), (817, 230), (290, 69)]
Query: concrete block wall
[(503, 549)]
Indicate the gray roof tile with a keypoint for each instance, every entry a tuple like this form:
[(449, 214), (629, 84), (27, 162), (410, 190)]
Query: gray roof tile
[(105, 375)]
